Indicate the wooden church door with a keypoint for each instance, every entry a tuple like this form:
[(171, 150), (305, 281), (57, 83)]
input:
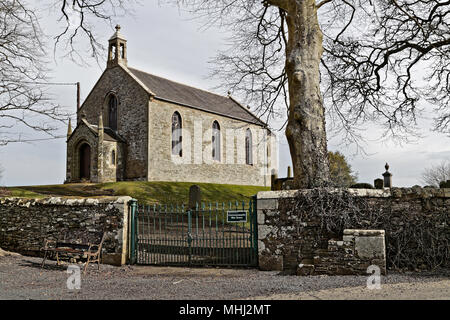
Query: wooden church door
[(85, 162)]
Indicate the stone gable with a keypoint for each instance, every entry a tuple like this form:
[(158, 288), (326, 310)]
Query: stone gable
[(132, 114)]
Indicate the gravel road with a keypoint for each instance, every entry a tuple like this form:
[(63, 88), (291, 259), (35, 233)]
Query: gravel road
[(22, 278)]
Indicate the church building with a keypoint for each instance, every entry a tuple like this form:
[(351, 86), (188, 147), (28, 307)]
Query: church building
[(137, 126)]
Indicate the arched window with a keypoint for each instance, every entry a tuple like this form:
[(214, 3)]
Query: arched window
[(177, 137), (112, 50), (216, 141), (113, 157), (248, 147), (112, 112), (122, 51)]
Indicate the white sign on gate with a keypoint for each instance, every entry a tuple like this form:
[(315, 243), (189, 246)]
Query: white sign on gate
[(237, 216)]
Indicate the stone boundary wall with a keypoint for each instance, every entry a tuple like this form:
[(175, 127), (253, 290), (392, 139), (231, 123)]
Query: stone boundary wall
[(290, 236), (26, 223), (358, 250)]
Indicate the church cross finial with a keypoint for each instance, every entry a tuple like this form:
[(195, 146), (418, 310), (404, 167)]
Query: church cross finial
[(118, 27)]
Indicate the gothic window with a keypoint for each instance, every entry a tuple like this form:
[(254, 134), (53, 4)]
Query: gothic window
[(177, 137), (248, 147), (113, 157), (216, 141), (112, 112)]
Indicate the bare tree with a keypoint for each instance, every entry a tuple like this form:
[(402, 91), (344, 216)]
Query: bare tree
[(23, 100), (78, 18), (263, 35), (436, 174), (23, 64), (372, 53), (385, 60)]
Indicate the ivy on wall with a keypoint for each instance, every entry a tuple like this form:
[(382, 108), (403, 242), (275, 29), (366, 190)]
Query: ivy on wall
[(416, 222)]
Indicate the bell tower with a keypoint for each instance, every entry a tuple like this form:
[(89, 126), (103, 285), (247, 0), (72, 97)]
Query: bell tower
[(117, 50)]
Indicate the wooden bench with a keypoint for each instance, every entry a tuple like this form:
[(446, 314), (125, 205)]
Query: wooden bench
[(87, 246)]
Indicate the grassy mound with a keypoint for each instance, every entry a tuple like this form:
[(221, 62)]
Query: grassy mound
[(144, 192)]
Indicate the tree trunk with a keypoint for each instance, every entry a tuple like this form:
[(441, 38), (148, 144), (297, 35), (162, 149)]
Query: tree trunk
[(305, 130)]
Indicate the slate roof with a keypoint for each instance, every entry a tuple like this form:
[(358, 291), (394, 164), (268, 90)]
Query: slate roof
[(108, 134), (178, 93)]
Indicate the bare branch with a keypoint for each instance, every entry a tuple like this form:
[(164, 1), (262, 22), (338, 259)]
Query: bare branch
[(436, 174), (78, 16), (23, 100), (373, 51)]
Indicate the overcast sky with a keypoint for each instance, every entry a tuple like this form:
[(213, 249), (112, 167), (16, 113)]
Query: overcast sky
[(166, 42)]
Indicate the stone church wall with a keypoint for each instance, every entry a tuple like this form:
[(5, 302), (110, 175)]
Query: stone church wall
[(112, 170), (132, 116), (26, 223), (196, 164)]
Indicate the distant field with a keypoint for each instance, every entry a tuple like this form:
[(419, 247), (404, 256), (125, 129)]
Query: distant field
[(144, 192)]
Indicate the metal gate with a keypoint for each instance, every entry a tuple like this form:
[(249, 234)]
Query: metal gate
[(209, 235)]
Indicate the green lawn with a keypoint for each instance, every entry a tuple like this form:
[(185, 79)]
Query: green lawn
[(144, 192)]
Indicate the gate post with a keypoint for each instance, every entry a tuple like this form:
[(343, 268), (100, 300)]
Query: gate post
[(254, 222), (133, 207), (190, 235)]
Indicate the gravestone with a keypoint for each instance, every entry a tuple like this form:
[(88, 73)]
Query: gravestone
[(378, 183), (195, 196)]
